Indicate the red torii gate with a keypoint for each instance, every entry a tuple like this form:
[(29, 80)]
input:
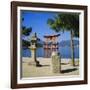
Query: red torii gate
[(50, 44)]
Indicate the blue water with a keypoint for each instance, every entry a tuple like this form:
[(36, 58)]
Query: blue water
[(64, 51)]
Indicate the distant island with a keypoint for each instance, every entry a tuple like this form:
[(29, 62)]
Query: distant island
[(68, 43)]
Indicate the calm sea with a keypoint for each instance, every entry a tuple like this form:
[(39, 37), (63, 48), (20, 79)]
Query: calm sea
[(64, 51)]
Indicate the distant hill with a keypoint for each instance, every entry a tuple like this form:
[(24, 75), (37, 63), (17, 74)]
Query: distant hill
[(62, 43), (68, 43)]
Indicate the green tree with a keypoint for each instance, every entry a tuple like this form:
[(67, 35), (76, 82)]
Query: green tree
[(69, 22), (25, 32)]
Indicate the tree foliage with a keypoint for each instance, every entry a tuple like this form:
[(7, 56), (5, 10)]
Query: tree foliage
[(65, 21), (25, 43), (26, 31)]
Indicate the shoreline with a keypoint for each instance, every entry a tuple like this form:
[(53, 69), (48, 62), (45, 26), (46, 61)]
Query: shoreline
[(50, 57), (30, 70)]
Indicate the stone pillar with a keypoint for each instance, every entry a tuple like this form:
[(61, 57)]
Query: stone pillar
[(33, 55), (55, 62)]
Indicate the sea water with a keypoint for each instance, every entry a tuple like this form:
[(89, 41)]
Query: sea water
[(65, 52)]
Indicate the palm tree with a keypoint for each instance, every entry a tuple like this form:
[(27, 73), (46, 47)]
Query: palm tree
[(69, 22)]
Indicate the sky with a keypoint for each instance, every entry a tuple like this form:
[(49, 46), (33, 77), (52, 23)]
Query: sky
[(38, 21)]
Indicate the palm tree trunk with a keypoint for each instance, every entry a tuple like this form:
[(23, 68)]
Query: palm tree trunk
[(72, 49)]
